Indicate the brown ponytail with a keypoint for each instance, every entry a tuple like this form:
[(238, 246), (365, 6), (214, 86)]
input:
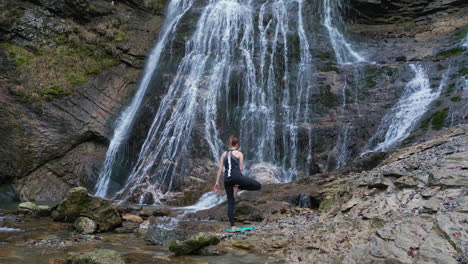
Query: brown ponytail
[(233, 141)]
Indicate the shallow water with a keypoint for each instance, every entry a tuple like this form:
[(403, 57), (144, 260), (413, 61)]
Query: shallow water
[(45, 241)]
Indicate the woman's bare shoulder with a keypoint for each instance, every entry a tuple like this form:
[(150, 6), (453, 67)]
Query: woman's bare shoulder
[(237, 153)]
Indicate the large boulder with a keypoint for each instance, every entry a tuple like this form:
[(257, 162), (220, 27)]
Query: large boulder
[(98, 256), (85, 225), (265, 173), (79, 203)]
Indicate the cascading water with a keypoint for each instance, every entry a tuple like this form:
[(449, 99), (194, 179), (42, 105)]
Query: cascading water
[(398, 123), (344, 52), (223, 47), (176, 10)]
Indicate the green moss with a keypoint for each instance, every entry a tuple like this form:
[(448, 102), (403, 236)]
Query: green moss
[(17, 54), (330, 67), (438, 103), (463, 71), (326, 205), (325, 56), (191, 246), (120, 37), (408, 25), (370, 82), (156, 5), (450, 89), (401, 58), (327, 98), (54, 71), (438, 119), (10, 15), (455, 99), (450, 53), (461, 33), (425, 123)]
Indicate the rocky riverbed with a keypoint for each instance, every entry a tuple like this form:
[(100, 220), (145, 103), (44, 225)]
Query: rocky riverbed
[(409, 209)]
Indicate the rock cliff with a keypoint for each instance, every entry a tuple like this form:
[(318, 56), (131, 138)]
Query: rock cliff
[(67, 70)]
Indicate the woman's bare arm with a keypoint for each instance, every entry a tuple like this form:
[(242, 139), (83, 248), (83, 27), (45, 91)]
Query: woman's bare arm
[(241, 162), (220, 169)]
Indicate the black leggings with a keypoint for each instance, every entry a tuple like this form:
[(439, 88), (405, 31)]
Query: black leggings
[(244, 183)]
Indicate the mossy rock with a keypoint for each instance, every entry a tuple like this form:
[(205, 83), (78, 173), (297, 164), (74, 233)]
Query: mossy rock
[(327, 97), (450, 52), (192, 245), (54, 71), (79, 203), (326, 205)]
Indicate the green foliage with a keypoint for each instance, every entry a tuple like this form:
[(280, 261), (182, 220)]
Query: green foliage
[(438, 103), (54, 71), (438, 119), (461, 34), (425, 123), (370, 82), (10, 15), (455, 99), (401, 58), (463, 71), (17, 54), (450, 53), (156, 5), (327, 98), (326, 205), (330, 67), (450, 89)]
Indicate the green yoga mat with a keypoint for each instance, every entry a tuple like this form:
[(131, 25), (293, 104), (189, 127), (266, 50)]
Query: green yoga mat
[(247, 228)]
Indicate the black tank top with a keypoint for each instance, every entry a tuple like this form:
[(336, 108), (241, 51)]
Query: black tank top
[(231, 166)]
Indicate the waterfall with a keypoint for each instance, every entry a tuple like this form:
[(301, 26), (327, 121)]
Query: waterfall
[(398, 123), (230, 44), (176, 9), (344, 52), (464, 42)]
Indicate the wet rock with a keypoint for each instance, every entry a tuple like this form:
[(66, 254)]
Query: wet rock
[(79, 203), (98, 256), (192, 245), (127, 227), (265, 173), (43, 210), (132, 218), (161, 236), (242, 244), (27, 207), (210, 251), (84, 225), (162, 211)]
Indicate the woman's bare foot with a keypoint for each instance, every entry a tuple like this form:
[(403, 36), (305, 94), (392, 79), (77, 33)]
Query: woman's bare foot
[(233, 228), (236, 190)]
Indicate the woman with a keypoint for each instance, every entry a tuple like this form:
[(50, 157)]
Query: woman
[(233, 162)]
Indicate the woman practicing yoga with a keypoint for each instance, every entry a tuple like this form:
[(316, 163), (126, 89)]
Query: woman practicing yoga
[(233, 162)]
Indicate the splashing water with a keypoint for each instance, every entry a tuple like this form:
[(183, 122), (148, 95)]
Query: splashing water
[(344, 52), (465, 42), (398, 123), (206, 201), (223, 47), (176, 10)]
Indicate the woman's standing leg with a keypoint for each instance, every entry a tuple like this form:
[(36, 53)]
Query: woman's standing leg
[(229, 187)]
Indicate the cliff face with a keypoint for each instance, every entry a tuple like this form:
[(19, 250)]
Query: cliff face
[(67, 69)]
